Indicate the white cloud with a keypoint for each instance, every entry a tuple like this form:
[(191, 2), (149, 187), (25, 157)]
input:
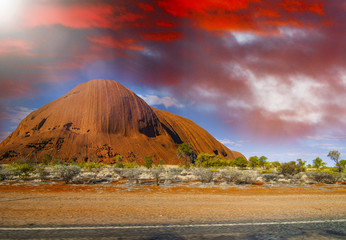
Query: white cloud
[(229, 142), (15, 115), (294, 101), (243, 37), (153, 100), (327, 137)]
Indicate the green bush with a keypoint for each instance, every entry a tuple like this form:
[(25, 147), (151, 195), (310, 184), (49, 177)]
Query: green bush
[(46, 159), (206, 160), (24, 167), (119, 165), (240, 162), (91, 166), (148, 161), (291, 168), (130, 165)]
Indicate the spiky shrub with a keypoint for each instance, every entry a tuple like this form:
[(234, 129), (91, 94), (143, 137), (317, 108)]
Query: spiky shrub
[(67, 172), (323, 177), (205, 175), (156, 172), (230, 175)]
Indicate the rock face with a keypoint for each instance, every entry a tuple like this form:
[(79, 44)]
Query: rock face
[(102, 118)]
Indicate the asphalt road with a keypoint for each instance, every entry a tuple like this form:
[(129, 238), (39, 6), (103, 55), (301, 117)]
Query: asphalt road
[(308, 229)]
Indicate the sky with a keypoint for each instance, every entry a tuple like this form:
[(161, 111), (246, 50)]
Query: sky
[(264, 77)]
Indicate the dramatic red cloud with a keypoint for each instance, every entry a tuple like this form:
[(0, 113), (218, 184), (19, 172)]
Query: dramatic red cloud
[(146, 7), (109, 41), (241, 15), (162, 37), (164, 24), (303, 6), (11, 46), (274, 68), (185, 8), (14, 89), (69, 16)]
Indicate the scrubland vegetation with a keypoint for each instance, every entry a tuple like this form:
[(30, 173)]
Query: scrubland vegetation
[(204, 168)]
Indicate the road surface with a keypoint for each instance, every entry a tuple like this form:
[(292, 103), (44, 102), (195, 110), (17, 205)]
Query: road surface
[(300, 229)]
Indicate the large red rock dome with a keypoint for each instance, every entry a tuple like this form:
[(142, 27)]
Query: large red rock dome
[(102, 118)]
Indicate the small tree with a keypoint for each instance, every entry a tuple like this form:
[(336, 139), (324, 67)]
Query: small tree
[(261, 161), (185, 151), (318, 163), (240, 162), (148, 161), (342, 164), (335, 155), (276, 164), (253, 161)]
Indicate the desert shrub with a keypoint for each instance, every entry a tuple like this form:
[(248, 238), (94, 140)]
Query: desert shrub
[(204, 174), (56, 161), (246, 177), (323, 177), (24, 167), (291, 168), (132, 173), (130, 165), (46, 159), (41, 172), (92, 166), (119, 165), (264, 171), (66, 172), (8, 173), (269, 176), (276, 164), (148, 161), (230, 175), (156, 173), (172, 173), (118, 171), (206, 160)]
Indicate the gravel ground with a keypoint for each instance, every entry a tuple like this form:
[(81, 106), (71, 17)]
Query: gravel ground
[(60, 204)]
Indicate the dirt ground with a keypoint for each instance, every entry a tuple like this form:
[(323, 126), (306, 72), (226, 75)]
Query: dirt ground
[(61, 204)]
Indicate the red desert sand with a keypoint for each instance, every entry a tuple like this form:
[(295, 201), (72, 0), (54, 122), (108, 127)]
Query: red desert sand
[(59, 204)]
